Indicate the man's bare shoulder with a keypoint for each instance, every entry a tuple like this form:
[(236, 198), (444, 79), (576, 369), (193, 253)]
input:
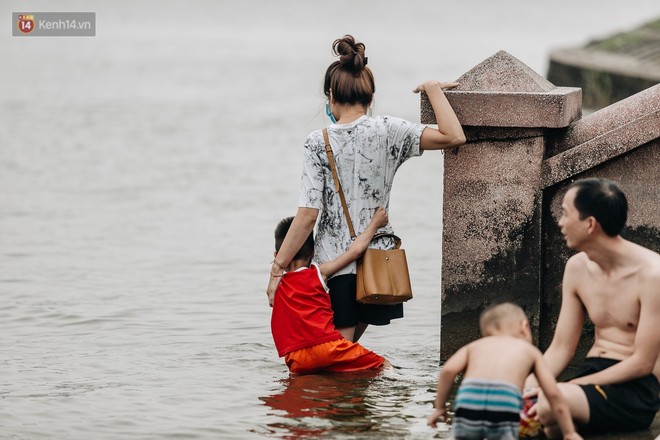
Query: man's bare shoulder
[(578, 260), (652, 271), (577, 263), (649, 263), (650, 275), (648, 256)]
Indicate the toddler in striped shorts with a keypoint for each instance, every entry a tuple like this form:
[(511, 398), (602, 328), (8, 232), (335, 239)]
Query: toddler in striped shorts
[(489, 400)]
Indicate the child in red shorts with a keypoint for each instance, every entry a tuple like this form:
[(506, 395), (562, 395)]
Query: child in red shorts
[(301, 322)]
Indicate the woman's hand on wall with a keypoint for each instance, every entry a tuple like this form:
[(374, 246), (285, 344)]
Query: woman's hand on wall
[(433, 83)]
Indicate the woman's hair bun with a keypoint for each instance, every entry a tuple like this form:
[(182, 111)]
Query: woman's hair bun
[(348, 80), (351, 54)]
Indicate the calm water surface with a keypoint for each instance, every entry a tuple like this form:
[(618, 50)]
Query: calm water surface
[(142, 172)]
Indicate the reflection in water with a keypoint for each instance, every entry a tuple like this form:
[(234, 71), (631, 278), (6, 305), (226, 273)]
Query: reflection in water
[(392, 403), (316, 404)]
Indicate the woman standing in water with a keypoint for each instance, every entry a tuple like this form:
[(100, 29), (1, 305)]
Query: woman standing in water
[(368, 150)]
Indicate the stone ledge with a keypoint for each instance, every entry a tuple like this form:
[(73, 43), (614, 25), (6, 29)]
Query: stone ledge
[(602, 121), (600, 149), (553, 109), (603, 135), (621, 64)]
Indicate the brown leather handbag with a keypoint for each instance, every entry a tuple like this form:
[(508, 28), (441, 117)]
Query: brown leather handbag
[(382, 274)]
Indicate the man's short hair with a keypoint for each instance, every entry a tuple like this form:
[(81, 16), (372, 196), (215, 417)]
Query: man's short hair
[(497, 316), (306, 252), (602, 199)]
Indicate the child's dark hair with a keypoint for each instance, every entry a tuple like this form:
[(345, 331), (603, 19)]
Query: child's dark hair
[(306, 252)]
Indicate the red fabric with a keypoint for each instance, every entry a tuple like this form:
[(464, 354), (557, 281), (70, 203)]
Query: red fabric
[(529, 427), (302, 315), (340, 356)]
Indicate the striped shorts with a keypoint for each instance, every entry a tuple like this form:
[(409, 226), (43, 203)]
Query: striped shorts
[(487, 409)]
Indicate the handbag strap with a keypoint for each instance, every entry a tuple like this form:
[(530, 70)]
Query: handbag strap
[(338, 187), (335, 176)]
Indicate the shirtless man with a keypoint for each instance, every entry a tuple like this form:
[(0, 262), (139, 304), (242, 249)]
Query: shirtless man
[(616, 283)]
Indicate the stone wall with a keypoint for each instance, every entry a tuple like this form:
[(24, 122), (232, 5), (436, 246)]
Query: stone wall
[(526, 143)]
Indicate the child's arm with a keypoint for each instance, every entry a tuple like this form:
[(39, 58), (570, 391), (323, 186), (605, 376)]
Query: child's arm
[(454, 365), (556, 399), (360, 244)]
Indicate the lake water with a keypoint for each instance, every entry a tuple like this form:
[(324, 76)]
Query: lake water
[(142, 172)]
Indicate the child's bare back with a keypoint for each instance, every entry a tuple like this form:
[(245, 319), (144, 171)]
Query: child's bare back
[(506, 358)]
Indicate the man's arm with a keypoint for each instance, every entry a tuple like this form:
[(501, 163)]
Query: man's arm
[(360, 244), (456, 364), (646, 346), (572, 316), (557, 401), (570, 322)]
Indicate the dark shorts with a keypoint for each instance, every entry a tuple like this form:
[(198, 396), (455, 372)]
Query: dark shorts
[(348, 312), (628, 406)]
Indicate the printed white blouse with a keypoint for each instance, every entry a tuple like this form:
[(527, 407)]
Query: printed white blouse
[(367, 153)]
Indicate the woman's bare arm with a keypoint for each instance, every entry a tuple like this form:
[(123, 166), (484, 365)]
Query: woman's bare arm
[(449, 133)]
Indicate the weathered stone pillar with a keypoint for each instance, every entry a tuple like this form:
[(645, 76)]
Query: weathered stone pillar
[(493, 191)]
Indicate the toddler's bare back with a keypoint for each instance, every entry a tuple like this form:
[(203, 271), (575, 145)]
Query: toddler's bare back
[(504, 358)]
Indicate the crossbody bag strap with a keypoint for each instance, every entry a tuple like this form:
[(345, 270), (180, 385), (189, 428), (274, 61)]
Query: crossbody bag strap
[(338, 187)]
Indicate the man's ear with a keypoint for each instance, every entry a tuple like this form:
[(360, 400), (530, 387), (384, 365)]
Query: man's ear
[(592, 224), (275, 254)]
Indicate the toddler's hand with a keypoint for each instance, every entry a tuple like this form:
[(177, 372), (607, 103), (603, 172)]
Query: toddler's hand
[(438, 413), (531, 387)]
